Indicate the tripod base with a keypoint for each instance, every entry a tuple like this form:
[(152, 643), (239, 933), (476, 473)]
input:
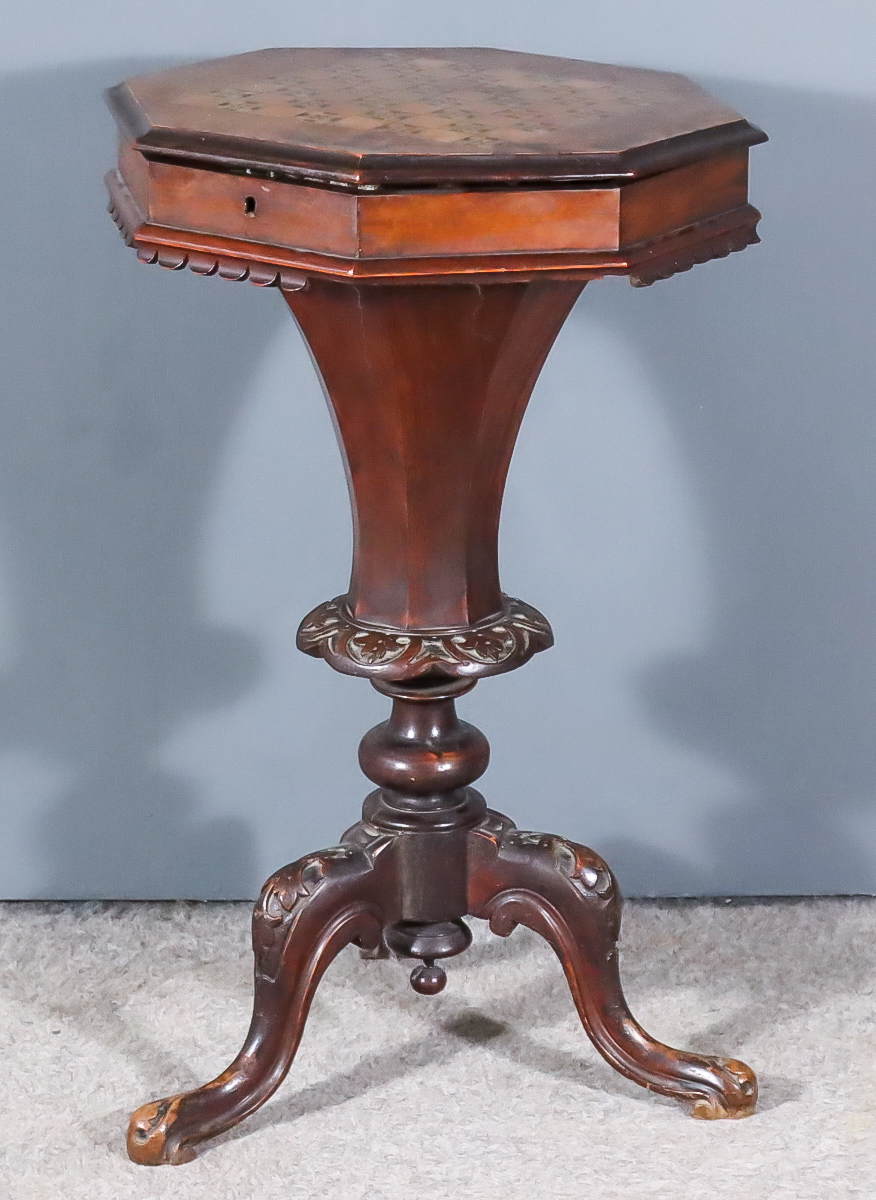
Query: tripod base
[(310, 910)]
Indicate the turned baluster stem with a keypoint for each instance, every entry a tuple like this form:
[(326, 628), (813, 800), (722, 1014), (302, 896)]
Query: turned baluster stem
[(424, 759)]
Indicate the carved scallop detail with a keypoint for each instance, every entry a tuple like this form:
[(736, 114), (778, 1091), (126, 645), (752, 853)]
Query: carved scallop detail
[(330, 632), (237, 269), (719, 245)]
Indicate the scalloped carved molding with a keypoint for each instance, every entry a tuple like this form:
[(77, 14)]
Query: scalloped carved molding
[(237, 269), (719, 245), (495, 646)]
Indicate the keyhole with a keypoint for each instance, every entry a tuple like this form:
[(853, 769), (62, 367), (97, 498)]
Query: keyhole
[(249, 206)]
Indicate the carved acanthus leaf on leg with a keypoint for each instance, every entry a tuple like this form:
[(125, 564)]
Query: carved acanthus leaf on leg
[(274, 915)]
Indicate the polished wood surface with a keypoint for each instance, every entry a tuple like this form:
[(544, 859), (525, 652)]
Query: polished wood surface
[(397, 117), (388, 225), (375, 163), (429, 311), (426, 852), (428, 387), (234, 257)]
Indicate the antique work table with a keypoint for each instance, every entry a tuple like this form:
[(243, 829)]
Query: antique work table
[(430, 217)]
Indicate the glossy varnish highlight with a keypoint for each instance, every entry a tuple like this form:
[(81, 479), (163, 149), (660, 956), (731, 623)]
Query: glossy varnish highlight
[(428, 387)]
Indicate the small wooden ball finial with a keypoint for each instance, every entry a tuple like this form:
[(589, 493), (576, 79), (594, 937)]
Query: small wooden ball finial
[(428, 979)]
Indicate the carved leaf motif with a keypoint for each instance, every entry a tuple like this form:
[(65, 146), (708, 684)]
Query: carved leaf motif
[(488, 646), (332, 633), (280, 902), (433, 650), (528, 624), (285, 890), (585, 869), (322, 623), (374, 649)]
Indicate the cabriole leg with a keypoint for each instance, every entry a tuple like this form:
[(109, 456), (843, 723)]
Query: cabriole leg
[(566, 893), (306, 914)]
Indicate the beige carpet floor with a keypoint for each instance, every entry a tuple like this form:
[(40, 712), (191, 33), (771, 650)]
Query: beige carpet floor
[(489, 1091)]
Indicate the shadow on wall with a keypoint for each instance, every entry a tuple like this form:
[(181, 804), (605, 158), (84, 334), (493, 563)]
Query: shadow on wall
[(768, 364), (120, 386)]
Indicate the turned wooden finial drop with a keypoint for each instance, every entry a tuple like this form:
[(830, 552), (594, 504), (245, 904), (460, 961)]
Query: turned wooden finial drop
[(428, 979)]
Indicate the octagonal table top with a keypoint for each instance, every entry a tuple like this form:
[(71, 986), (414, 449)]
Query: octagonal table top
[(383, 118)]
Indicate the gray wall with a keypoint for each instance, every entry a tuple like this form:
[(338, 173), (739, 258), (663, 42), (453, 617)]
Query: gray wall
[(693, 501)]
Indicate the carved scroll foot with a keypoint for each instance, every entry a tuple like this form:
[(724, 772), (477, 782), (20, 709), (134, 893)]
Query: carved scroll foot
[(567, 894), (306, 914)]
